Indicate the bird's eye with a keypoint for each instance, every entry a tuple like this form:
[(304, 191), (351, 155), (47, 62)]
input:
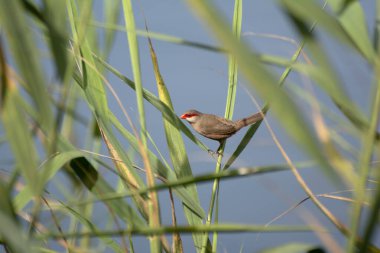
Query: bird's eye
[(188, 115)]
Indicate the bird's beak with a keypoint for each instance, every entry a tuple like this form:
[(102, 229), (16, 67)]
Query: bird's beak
[(183, 116)]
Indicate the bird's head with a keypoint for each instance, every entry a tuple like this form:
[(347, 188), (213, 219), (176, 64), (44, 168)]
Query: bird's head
[(191, 116)]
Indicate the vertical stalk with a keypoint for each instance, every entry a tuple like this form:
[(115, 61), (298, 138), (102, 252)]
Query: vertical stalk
[(153, 208), (374, 211), (368, 144), (230, 104)]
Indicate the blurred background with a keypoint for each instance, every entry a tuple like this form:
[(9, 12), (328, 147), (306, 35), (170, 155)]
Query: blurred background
[(197, 78)]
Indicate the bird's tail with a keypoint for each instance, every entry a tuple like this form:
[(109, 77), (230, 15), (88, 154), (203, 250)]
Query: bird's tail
[(249, 120)]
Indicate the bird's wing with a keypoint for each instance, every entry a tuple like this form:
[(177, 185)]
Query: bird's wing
[(218, 128)]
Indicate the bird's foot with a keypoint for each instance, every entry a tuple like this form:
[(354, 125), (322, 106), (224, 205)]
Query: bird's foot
[(211, 152)]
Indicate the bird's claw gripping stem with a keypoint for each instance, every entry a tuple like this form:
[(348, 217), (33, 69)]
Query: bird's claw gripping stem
[(211, 152)]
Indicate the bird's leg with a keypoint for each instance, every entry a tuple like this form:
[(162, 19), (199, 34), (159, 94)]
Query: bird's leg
[(218, 151), (211, 152)]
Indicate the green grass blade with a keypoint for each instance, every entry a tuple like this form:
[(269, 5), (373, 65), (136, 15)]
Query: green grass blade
[(232, 64), (372, 221), (292, 248), (22, 45), (135, 63), (161, 169), (95, 95), (344, 29), (242, 145), (121, 160), (13, 236), (47, 171), (365, 157), (223, 228), (230, 104), (88, 225), (167, 112), (352, 18), (92, 83), (338, 95), (112, 14), (20, 139), (100, 188), (259, 78), (53, 18), (252, 129), (160, 36), (322, 71), (324, 74), (94, 91), (177, 150), (376, 37), (283, 107), (54, 13), (154, 210), (227, 174), (373, 217)]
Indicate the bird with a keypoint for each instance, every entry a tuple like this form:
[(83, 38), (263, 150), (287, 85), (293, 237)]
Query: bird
[(215, 127)]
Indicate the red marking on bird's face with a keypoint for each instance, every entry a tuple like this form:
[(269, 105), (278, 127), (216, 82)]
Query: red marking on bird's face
[(188, 115)]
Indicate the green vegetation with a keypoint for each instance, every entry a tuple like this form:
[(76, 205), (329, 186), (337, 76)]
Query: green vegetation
[(55, 189)]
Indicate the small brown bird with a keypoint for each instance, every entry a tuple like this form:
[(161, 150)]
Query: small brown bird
[(217, 128)]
